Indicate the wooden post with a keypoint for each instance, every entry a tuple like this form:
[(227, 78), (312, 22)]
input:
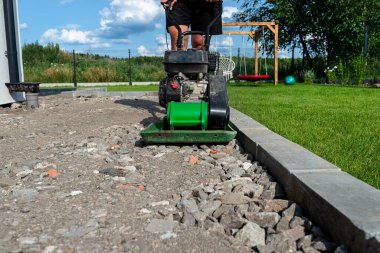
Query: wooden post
[(273, 27), (276, 53), (257, 37)]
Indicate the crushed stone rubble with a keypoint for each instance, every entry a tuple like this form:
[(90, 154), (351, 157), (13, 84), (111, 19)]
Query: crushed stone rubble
[(75, 176)]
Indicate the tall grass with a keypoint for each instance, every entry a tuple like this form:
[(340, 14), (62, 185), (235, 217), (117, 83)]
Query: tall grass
[(51, 64)]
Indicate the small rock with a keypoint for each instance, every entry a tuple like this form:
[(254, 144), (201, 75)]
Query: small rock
[(221, 210), (6, 182), (15, 106), (296, 221), (129, 168), (214, 227), (27, 240), (209, 206), (168, 235), (99, 213), (304, 242), (188, 205), (160, 203), (125, 159), (242, 209), (323, 245), (75, 193), (295, 233), (276, 205), (287, 216), (159, 155), (237, 172), (113, 172), (234, 199), (251, 235), (62, 195), (161, 226), (311, 250), (145, 211), (265, 248), (50, 249), (199, 193), (232, 220), (263, 219), (25, 194), (176, 198), (281, 243), (247, 166), (24, 173), (188, 219), (341, 249), (45, 166), (200, 217)]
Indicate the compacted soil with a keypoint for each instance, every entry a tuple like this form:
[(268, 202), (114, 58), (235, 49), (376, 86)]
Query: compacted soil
[(75, 176)]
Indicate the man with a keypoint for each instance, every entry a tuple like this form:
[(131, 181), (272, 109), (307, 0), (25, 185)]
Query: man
[(196, 14)]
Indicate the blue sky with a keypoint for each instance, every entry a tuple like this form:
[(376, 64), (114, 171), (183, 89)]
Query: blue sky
[(105, 26)]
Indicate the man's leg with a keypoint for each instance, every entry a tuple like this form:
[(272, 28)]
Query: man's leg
[(174, 36), (197, 41)]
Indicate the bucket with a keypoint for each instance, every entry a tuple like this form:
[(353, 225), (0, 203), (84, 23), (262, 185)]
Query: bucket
[(32, 100)]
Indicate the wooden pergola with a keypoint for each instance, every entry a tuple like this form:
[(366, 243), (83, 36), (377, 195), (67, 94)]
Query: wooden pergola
[(255, 35)]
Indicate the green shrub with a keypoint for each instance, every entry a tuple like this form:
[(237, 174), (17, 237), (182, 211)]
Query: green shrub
[(309, 76)]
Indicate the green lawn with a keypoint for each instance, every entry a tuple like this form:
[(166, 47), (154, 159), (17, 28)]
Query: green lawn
[(340, 124)]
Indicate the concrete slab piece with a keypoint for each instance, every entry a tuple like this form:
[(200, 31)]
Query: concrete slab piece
[(251, 138), (346, 207), (284, 158), (241, 121)]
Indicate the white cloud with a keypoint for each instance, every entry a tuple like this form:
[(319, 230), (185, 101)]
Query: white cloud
[(161, 45), (222, 44), (124, 17), (72, 36), (65, 1), (142, 51), (72, 26), (23, 26), (228, 12), (284, 54), (122, 41), (100, 45), (158, 26)]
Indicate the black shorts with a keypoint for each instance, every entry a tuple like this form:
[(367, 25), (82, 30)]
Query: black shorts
[(197, 14)]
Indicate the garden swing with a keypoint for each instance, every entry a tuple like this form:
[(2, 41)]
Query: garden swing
[(257, 76), (226, 64)]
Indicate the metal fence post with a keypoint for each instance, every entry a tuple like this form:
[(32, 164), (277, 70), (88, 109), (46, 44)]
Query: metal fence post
[(130, 67), (74, 70)]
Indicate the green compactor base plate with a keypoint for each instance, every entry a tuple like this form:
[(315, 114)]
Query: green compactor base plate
[(155, 134)]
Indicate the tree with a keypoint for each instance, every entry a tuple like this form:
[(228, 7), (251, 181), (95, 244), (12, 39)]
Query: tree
[(330, 29)]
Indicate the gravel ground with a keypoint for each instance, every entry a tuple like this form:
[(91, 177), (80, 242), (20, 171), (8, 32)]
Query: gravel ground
[(75, 177)]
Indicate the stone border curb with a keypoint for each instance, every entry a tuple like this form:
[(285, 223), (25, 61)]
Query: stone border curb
[(49, 85), (347, 208), (95, 93)]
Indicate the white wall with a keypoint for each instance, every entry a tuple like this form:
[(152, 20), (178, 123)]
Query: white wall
[(5, 96)]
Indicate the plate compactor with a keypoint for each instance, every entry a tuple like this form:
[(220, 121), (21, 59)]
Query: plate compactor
[(194, 95)]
